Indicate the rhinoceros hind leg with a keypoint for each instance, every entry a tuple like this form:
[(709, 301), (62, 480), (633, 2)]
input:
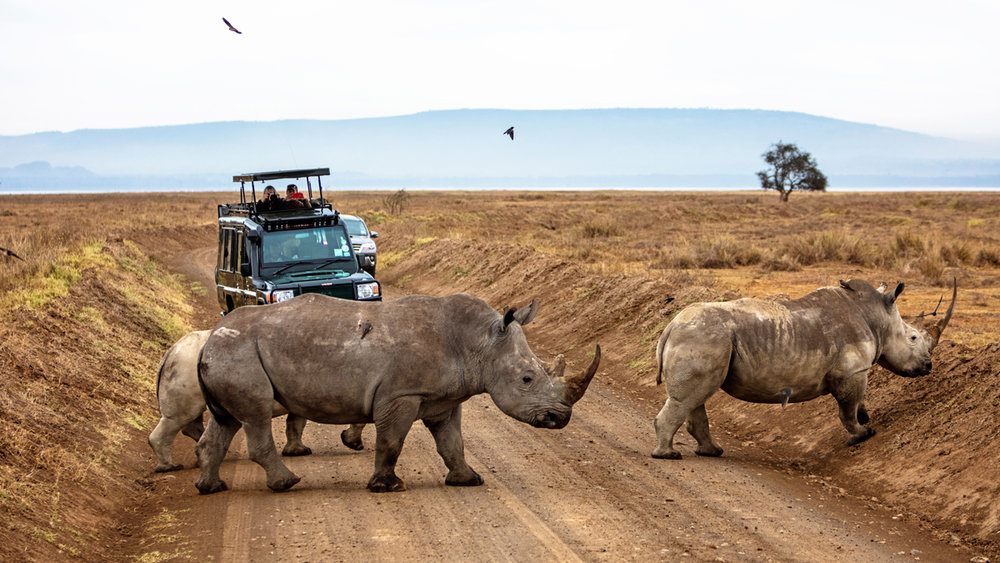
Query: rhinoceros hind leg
[(211, 449), (161, 439), (386, 484), (697, 426), (666, 423), (352, 437)]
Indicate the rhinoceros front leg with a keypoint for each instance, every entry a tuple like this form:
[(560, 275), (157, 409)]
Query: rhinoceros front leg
[(850, 396), (392, 423), (260, 446), (294, 426), (211, 449), (447, 432), (352, 437)]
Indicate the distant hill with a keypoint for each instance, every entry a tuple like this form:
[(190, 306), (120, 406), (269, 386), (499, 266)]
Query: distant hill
[(466, 148)]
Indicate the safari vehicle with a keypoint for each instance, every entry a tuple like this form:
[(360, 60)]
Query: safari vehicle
[(362, 241), (268, 256)]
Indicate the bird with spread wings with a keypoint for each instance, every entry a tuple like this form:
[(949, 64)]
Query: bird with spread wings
[(231, 28), (10, 253)]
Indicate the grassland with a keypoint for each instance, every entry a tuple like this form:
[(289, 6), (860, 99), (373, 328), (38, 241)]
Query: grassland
[(89, 312)]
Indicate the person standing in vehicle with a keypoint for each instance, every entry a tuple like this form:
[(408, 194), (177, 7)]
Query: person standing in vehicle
[(270, 201), (294, 198)]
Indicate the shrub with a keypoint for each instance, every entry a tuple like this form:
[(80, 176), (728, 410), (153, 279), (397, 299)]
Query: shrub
[(396, 202)]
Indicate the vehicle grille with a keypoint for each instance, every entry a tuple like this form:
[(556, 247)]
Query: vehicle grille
[(357, 247), (345, 291)]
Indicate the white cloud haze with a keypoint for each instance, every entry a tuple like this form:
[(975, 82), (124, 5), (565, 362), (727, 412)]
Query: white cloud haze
[(923, 66)]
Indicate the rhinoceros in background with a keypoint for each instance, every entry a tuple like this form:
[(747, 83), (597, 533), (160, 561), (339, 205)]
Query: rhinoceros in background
[(786, 351), (182, 404), (392, 363)]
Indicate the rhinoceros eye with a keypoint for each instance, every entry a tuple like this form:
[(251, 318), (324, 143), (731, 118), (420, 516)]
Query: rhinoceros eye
[(526, 379)]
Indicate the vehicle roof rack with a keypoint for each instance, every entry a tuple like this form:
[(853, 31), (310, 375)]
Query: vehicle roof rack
[(254, 177)]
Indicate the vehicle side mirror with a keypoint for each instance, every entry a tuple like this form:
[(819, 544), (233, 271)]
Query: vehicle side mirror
[(245, 270), (374, 234)]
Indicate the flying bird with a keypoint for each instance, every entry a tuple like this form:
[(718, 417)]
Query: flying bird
[(510, 132), (6, 252), (231, 28)]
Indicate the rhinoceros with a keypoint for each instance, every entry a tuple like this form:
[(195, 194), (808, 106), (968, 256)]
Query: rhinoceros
[(786, 351), (392, 363), (182, 404)]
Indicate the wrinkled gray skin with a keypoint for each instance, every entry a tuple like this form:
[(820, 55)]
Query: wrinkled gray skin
[(182, 404), (766, 351), (392, 363)]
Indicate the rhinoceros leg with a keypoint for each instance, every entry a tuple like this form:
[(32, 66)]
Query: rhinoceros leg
[(260, 446), (850, 395), (294, 426), (666, 423), (392, 423), (447, 432), (352, 437), (697, 426), (161, 439), (211, 449), (194, 429)]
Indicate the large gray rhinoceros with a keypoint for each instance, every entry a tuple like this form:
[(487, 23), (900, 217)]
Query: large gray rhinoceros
[(786, 351), (182, 404), (392, 363)]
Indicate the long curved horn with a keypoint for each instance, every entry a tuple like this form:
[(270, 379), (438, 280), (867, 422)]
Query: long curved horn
[(577, 384), (935, 330)]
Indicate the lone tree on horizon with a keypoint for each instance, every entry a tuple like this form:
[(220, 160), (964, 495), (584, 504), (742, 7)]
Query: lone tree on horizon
[(790, 169)]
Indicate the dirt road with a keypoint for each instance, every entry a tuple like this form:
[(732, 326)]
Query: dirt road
[(589, 492)]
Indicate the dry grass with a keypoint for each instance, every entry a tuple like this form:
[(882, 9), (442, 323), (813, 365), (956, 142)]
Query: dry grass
[(90, 311)]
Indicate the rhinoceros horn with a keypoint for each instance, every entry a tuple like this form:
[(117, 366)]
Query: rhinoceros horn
[(936, 329), (577, 384)]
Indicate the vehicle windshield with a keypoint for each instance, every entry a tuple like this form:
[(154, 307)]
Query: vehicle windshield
[(321, 249), (355, 227)]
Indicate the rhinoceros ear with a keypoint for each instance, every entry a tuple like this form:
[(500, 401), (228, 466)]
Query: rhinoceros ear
[(525, 315), (508, 316), (890, 297)]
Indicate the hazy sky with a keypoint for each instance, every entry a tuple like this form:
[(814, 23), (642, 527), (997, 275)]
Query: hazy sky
[(931, 67)]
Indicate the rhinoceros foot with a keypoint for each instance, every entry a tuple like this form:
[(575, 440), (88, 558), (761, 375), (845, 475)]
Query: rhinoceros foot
[(290, 450), (711, 451), (670, 454), (211, 487), (386, 484), (868, 433), (281, 485), (463, 479), (165, 468), (354, 444)]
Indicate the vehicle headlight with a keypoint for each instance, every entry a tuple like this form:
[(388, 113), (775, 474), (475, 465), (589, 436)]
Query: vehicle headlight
[(368, 247), (367, 290), (282, 295)]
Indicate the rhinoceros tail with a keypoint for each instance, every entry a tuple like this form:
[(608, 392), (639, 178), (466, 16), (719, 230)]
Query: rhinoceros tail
[(218, 411), (659, 354), (159, 373)]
